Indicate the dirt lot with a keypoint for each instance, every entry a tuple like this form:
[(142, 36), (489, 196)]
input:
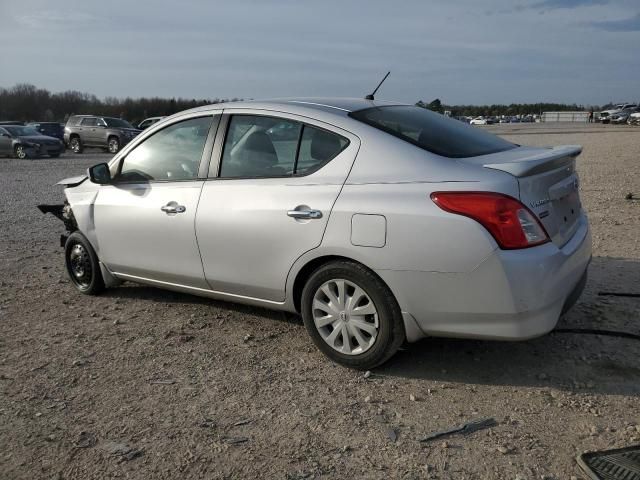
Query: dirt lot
[(193, 388)]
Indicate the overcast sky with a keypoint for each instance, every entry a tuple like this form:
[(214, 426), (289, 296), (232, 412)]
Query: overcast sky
[(462, 51)]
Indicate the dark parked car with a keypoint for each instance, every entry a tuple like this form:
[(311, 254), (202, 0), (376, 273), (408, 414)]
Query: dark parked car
[(26, 142), (11, 122), (108, 133), (50, 129)]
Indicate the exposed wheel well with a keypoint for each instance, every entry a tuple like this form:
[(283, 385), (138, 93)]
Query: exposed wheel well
[(74, 135), (309, 268)]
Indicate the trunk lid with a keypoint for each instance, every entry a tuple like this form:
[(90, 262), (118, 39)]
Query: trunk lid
[(548, 184)]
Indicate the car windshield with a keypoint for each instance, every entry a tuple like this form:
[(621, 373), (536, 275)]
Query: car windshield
[(117, 122), (432, 131), (21, 131)]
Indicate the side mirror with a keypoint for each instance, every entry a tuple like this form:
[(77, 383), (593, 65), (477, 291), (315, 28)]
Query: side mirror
[(100, 174)]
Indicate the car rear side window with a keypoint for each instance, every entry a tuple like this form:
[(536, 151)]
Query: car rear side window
[(170, 154), (89, 122), (432, 131), (262, 147), (317, 147)]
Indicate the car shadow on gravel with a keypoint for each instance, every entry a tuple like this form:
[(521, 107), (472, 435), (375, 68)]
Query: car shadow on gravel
[(562, 360), (132, 291)]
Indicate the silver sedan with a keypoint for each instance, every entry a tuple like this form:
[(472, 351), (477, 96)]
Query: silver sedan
[(379, 223)]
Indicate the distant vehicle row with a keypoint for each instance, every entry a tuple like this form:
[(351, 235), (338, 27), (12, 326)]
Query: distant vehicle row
[(620, 113), (36, 139)]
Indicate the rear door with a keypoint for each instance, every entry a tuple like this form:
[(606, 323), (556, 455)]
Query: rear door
[(268, 199), (5, 142), (145, 220)]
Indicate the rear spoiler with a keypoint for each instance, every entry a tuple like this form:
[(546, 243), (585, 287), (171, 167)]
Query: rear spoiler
[(556, 157)]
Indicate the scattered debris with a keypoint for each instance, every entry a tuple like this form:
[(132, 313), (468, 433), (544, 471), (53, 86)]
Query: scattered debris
[(39, 367), (121, 450), (367, 374), (392, 434), (247, 337), (618, 294), (464, 429), (367, 399), (413, 398), (630, 196), (79, 362), (208, 423), (162, 382), (85, 440), (242, 422), (235, 440), (503, 449)]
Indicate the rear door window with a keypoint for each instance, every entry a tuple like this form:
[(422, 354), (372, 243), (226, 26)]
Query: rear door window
[(317, 147), (88, 122), (432, 131), (261, 147)]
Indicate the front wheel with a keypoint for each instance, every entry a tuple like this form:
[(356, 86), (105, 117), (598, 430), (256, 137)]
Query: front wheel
[(113, 145), (351, 315), (82, 265), (76, 145), (20, 152)]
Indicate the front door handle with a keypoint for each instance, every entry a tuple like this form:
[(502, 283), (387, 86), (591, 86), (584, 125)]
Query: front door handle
[(173, 207), (305, 214)]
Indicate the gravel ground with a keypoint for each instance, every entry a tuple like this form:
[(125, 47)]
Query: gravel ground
[(142, 383)]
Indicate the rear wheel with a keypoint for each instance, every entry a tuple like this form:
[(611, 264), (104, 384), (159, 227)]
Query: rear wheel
[(113, 145), (20, 152), (352, 315), (75, 144), (82, 265)]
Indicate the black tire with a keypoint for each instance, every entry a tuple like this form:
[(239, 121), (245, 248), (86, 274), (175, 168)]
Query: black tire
[(390, 333), (19, 152), (113, 145), (82, 265), (75, 144), (54, 155)]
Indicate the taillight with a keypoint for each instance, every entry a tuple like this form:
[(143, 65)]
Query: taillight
[(510, 223)]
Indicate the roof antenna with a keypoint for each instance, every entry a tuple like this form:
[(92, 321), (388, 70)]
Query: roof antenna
[(370, 97)]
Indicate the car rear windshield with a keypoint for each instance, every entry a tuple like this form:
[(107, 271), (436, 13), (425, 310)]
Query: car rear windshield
[(117, 123), (432, 131)]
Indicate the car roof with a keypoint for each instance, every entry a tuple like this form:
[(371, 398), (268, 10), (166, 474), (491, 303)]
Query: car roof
[(336, 106)]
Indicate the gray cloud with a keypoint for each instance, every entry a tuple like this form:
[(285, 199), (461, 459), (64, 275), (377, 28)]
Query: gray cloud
[(631, 24), (568, 4), (281, 48)]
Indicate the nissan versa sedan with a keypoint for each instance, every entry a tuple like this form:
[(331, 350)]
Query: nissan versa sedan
[(379, 223)]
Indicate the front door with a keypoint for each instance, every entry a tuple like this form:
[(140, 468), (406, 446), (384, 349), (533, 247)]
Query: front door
[(278, 180), (145, 220)]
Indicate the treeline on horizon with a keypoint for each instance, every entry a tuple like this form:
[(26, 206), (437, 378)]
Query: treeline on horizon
[(507, 110), (25, 102)]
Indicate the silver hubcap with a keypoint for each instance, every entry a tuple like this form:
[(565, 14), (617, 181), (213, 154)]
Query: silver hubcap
[(80, 265), (345, 317), (113, 146), (75, 145), (20, 153)]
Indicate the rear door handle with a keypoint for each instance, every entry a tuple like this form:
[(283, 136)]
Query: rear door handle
[(305, 214), (173, 207)]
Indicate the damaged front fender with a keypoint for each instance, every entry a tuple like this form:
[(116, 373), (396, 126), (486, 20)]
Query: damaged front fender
[(65, 214)]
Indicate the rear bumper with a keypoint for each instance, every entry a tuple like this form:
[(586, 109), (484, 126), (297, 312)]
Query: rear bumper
[(511, 295)]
